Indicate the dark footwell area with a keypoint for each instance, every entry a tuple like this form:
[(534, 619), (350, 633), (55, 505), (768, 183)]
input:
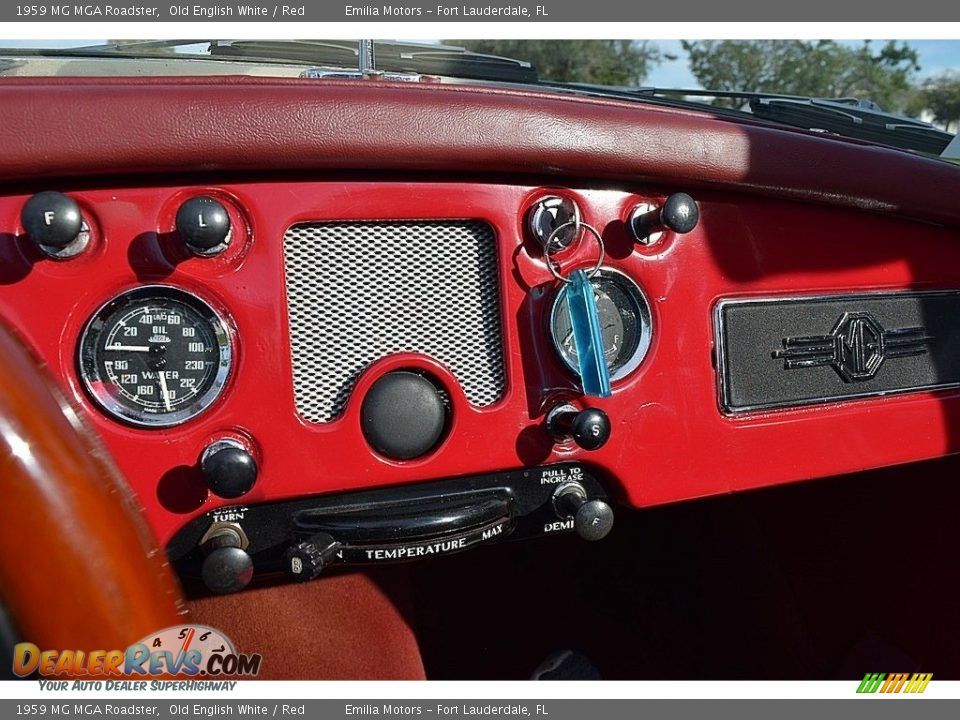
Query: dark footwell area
[(822, 580)]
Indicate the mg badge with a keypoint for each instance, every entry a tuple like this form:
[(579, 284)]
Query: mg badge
[(856, 348)]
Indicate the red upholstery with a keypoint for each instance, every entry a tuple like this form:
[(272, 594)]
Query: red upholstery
[(343, 627)]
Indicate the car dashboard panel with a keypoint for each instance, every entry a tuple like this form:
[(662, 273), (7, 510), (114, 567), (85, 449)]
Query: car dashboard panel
[(365, 366)]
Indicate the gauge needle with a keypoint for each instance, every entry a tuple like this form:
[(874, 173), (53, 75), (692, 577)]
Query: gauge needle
[(163, 389), (129, 348)]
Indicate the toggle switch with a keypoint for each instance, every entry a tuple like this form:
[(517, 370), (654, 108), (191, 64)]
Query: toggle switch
[(306, 559), (679, 213)]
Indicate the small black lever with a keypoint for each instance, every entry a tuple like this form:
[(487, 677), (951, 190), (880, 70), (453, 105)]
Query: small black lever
[(589, 428), (679, 213), (307, 559)]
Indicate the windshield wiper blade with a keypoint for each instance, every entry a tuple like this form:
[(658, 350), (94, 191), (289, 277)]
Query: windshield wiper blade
[(864, 121), (393, 57), (121, 48), (737, 94), (847, 116)]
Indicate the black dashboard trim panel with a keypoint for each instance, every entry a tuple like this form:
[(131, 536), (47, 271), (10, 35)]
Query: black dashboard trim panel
[(794, 351)]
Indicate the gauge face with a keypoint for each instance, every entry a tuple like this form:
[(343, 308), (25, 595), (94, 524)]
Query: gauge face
[(155, 356), (624, 323)]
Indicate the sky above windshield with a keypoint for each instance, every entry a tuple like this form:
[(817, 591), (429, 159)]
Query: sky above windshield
[(935, 57)]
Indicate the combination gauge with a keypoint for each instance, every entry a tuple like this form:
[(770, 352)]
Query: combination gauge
[(155, 356)]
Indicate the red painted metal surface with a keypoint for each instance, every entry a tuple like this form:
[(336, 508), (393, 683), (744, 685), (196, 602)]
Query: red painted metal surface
[(670, 441)]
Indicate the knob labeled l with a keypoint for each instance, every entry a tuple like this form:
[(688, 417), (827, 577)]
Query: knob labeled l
[(204, 225)]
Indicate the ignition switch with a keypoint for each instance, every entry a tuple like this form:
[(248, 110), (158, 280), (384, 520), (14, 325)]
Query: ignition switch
[(550, 213)]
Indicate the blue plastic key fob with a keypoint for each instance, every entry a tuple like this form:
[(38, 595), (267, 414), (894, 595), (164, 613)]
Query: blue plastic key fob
[(585, 322)]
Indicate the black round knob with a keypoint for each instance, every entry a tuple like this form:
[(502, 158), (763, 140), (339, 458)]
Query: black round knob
[(228, 469), (593, 520), (679, 213), (51, 219), (204, 225), (307, 559), (589, 428), (403, 415), (227, 570)]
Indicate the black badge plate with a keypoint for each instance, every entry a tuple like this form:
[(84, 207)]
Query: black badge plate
[(782, 352)]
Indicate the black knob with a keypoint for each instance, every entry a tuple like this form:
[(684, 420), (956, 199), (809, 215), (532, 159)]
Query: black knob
[(403, 415), (227, 570), (52, 220), (589, 428), (679, 213), (204, 225), (592, 519), (307, 559), (228, 469)]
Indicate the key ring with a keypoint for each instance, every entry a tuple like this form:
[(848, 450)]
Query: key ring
[(554, 267)]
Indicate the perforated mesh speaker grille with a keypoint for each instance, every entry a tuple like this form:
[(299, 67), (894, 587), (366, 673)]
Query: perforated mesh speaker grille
[(357, 292)]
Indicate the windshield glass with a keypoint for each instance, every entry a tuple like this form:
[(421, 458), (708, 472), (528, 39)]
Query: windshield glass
[(902, 93)]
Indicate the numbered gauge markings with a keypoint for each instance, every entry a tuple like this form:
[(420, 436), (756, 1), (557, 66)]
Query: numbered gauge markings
[(155, 356)]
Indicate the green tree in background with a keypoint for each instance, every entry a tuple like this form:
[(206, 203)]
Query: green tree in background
[(604, 62), (941, 96), (822, 68)]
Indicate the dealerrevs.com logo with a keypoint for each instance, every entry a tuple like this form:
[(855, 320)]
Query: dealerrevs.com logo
[(911, 683), (189, 651)]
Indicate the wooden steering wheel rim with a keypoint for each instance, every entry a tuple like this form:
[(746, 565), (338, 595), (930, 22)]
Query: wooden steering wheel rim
[(79, 569)]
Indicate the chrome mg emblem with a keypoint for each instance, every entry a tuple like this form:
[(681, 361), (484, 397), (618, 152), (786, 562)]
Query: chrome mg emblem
[(856, 348)]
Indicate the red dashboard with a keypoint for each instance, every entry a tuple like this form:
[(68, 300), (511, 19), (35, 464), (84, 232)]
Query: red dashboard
[(782, 214), (669, 441)]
